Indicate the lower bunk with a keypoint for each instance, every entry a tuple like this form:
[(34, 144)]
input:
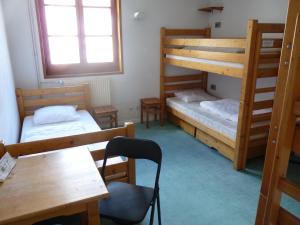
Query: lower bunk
[(212, 128)]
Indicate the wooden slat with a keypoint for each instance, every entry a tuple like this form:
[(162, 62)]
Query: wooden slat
[(296, 144), (54, 101), (277, 43), (228, 71), (265, 90), (50, 91), (259, 130), (35, 147), (225, 43), (183, 86), (286, 218), (182, 78), (114, 165), (186, 32), (258, 142), (289, 188), (271, 28), (269, 60), (261, 117), (217, 56), (263, 105), (269, 72)]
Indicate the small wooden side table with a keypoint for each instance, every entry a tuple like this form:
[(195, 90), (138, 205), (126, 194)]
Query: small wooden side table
[(150, 106), (107, 112)]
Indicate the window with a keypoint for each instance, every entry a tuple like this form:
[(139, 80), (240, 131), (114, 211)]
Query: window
[(80, 37)]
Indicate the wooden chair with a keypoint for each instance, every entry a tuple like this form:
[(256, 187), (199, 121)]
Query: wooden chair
[(150, 106), (129, 204)]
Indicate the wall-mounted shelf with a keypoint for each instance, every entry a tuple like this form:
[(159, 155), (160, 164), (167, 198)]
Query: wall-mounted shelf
[(211, 9)]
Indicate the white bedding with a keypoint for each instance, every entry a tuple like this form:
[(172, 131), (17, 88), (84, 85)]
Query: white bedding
[(32, 132), (227, 109), (194, 111)]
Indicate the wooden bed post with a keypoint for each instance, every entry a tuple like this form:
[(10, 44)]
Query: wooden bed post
[(130, 132), (205, 74), (2, 148), (87, 96), (20, 101), (162, 76), (283, 128), (247, 89)]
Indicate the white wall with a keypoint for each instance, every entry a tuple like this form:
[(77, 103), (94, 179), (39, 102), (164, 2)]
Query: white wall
[(140, 46), (9, 117), (234, 20)]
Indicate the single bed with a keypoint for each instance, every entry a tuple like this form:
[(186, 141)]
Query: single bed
[(34, 135)]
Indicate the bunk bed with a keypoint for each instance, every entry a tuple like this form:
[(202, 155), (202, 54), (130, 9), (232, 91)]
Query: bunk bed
[(250, 59), (284, 135), (40, 137)]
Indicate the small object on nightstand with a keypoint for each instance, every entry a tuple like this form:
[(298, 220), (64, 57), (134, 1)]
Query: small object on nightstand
[(150, 105), (106, 113)]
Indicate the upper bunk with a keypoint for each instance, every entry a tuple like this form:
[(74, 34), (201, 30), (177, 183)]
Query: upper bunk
[(195, 49)]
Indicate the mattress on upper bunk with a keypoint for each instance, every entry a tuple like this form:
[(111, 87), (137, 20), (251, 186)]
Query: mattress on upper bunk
[(201, 115), (33, 132)]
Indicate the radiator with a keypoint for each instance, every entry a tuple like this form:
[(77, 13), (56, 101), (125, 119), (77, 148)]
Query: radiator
[(99, 88)]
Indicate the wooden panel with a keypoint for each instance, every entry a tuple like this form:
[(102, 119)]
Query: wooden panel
[(273, 72), (257, 151), (183, 86), (226, 43), (290, 188), (265, 90), (187, 32), (182, 78), (297, 108), (269, 60), (217, 135), (224, 149), (286, 218), (229, 71), (263, 105), (218, 56), (114, 165), (271, 27)]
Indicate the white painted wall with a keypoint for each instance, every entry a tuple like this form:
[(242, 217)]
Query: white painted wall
[(234, 20), (140, 46), (9, 117)]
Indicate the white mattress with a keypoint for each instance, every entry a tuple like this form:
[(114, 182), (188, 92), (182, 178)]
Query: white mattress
[(32, 132), (194, 111)]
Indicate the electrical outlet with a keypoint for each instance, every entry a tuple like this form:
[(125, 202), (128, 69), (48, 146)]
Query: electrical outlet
[(218, 24), (213, 87)]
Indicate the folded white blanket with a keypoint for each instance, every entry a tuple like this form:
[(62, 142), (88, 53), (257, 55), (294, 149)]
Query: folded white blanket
[(227, 109)]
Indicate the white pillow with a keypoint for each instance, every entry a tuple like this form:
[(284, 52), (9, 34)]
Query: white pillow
[(194, 95), (55, 114)]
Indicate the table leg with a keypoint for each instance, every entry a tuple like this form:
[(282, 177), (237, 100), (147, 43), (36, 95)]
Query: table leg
[(147, 118), (111, 121), (92, 216), (116, 120)]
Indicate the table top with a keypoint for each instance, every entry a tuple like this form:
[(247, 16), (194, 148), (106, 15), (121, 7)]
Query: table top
[(46, 182), (105, 109), (150, 101)]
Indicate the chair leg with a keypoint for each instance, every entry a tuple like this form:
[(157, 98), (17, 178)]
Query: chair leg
[(158, 210), (152, 213)]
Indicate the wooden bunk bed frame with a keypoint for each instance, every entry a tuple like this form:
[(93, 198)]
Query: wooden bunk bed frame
[(250, 141), (284, 135), (30, 100)]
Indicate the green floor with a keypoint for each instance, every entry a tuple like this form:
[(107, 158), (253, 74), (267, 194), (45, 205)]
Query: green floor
[(199, 186)]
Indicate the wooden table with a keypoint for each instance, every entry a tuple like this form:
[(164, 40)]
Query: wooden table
[(109, 112), (150, 106), (50, 185)]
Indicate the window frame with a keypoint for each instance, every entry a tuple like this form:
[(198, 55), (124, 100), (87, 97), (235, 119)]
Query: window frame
[(83, 68)]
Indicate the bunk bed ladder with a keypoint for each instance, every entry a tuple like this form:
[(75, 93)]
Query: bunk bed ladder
[(284, 131)]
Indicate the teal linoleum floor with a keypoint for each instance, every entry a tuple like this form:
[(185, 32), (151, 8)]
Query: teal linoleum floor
[(199, 186)]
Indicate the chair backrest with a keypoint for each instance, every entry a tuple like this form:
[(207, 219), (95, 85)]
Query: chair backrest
[(134, 149)]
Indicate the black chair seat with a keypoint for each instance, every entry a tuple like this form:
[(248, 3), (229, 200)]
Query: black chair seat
[(123, 199)]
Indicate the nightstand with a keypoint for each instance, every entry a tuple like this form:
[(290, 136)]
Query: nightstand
[(106, 114)]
